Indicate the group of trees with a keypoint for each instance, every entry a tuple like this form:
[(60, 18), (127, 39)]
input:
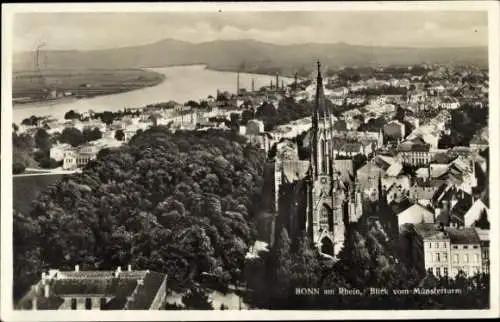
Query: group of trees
[(22, 151), (465, 122), (182, 204)]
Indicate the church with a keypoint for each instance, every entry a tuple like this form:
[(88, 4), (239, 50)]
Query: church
[(313, 195)]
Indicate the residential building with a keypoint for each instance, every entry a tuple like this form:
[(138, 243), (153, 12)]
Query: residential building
[(414, 152), (415, 214), (97, 290), (484, 239), (57, 151), (446, 251), (394, 130), (465, 251), (474, 213)]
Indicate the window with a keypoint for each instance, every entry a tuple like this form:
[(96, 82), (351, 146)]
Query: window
[(476, 258), (326, 218), (434, 258), (88, 303), (455, 247), (438, 258), (437, 245), (438, 271), (73, 304), (430, 245), (455, 258), (475, 246), (465, 246), (445, 256), (103, 302), (466, 258), (444, 245), (445, 271)]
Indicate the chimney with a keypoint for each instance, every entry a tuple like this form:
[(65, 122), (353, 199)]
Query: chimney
[(77, 268), (238, 84), (129, 268), (118, 271)]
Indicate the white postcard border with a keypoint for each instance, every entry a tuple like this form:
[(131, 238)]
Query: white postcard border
[(7, 312)]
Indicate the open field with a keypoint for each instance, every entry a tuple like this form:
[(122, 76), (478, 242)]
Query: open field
[(29, 86)]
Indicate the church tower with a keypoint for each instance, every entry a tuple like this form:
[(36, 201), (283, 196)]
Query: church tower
[(327, 197)]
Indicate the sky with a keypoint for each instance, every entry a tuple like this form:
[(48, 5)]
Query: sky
[(88, 31)]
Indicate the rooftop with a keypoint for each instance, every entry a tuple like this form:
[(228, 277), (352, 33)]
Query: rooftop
[(132, 289)]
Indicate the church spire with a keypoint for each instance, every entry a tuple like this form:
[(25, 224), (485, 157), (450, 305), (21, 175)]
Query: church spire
[(319, 105)]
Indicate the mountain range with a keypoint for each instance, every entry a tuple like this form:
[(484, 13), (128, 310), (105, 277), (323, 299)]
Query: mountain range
[(249, 55)]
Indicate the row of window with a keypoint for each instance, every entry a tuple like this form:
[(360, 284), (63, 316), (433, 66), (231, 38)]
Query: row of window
[(437, 245), (445, 245), (88, 303), (444, 270), (443, 257)]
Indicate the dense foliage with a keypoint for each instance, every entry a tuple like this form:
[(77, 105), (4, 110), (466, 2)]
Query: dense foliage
[(465, 122), (178, 203)]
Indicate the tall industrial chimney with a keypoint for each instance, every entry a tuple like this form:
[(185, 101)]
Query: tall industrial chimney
[(238, 83)]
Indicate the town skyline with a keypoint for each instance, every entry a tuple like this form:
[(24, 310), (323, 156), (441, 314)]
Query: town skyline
[(83, 31)]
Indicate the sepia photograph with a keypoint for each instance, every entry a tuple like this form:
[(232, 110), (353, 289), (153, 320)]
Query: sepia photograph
[(249, 158)]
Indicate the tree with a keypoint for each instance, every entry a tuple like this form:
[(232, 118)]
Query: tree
[(73, 136), (72, 115), (42, 140), (197, 299), (120, 134), (144, 204), (18, 168), (91, 134), (305, 265), (281, 276), (483, 221), (246, 116)]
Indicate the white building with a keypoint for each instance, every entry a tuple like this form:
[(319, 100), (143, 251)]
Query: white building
[(57, 151)]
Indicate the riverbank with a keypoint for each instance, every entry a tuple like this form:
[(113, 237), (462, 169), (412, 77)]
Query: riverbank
[(63, 85), (180, 84)]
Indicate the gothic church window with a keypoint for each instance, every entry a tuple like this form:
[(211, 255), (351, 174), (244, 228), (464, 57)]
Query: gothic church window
[(326, 218)]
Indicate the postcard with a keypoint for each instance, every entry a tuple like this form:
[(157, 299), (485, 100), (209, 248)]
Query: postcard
[(249, 161)]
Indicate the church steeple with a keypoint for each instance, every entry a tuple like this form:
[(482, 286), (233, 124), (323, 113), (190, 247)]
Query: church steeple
[(318, 150)]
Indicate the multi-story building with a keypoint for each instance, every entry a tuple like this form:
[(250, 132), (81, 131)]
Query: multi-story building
[(79, 157), (484, 239), (415, 152), (57, 151), (97, 290), (449, 250)]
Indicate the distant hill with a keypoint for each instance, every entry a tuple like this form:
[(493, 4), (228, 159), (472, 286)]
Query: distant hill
[(251, 55)]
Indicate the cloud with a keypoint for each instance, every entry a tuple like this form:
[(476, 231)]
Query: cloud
[(105, 30)]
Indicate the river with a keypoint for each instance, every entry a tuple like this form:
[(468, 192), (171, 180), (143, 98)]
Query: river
[(182, 83)]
